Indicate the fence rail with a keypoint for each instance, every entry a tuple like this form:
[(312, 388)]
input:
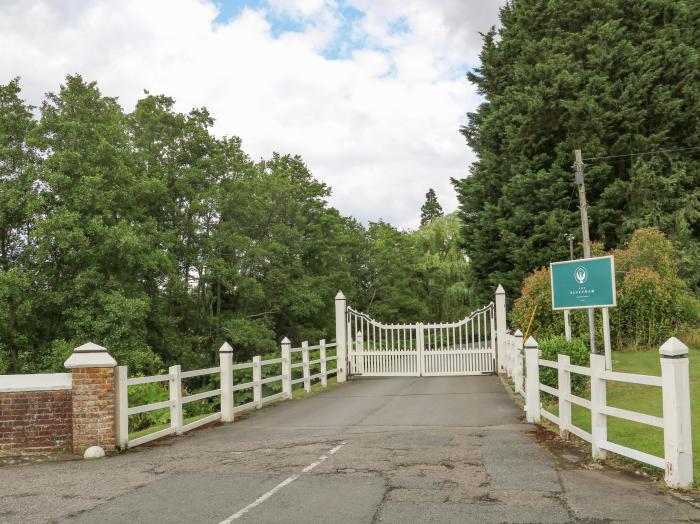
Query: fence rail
[(674, 382), (176, 399)]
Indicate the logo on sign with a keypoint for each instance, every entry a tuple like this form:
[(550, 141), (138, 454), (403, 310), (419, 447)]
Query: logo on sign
[(581, 275)]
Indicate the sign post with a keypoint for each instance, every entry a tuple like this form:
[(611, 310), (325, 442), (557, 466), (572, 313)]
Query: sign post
[(587, 283), (567, 313)]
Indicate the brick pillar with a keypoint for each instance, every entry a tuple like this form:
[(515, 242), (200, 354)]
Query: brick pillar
[(94, 398)]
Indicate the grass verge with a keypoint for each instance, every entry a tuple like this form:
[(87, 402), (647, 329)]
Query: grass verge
[(152, 429), (315, 388), (644, 399)]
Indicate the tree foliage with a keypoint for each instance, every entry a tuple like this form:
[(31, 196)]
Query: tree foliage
[(445, 276), (420, 275), (147, 234), (610, 78), (431, 209)]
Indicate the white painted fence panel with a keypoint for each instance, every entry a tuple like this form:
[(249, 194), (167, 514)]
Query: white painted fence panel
[(674, 382), (176, 400)]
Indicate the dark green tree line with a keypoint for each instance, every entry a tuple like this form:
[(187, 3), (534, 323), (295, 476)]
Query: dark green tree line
[(610, 77)]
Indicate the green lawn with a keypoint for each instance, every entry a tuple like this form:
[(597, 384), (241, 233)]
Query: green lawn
[(645, 399)]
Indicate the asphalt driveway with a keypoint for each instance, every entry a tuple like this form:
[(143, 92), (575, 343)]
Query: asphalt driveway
[(450, 449)]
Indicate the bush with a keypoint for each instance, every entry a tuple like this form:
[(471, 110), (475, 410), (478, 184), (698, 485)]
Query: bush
[(649, 307), (4, 360), (536, 293), (141, 394), (194, 385), (653, 301), (648, 248), (576, 349)]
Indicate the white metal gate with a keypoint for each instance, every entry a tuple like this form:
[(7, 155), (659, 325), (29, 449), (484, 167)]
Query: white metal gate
[(467, 347)]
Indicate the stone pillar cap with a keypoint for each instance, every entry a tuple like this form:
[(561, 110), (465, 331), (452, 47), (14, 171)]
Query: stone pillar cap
[(90, 355)]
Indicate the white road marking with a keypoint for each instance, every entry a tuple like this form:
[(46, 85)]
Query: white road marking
[(279, 486)]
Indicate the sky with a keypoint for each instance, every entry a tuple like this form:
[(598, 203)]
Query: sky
[(371, 93)]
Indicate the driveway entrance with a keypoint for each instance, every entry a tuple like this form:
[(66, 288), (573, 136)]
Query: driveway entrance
[(431, 449)]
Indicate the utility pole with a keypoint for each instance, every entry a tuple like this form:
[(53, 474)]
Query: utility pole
[(578, 165), (567, 312)]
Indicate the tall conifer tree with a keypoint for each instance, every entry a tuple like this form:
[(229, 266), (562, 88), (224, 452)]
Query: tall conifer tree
[(609, 77), (431, 209)]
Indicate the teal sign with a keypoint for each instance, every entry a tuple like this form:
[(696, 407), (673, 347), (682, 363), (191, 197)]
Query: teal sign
[(583, 283)]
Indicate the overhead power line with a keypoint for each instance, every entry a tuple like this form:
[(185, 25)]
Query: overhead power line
[(643, 153)]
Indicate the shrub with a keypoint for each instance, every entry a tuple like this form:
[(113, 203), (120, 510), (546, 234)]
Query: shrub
[(141, 394), (648, 248), (536, 292), (578, 351), (652, 308), (653, 302), (4, 360)]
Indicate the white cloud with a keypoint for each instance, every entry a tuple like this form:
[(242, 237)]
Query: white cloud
[(379, 125)]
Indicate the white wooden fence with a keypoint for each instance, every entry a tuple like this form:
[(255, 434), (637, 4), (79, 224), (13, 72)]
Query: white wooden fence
[(514, 363), (674, 382), (290, 364)]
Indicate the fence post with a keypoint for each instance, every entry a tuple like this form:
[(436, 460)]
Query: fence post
[(175, 385), (509, 355), (564, 381), (567, 324), (512, 353), (341, 337), (420, 343), (501, 327), (532, 380), (678, 443), (359, 363), (518, 362), (287, 367), (599, 422), (324, 366), (606, 338), (226, 381), (494, 337), (305, 365), (257, 377), (122, 407)]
